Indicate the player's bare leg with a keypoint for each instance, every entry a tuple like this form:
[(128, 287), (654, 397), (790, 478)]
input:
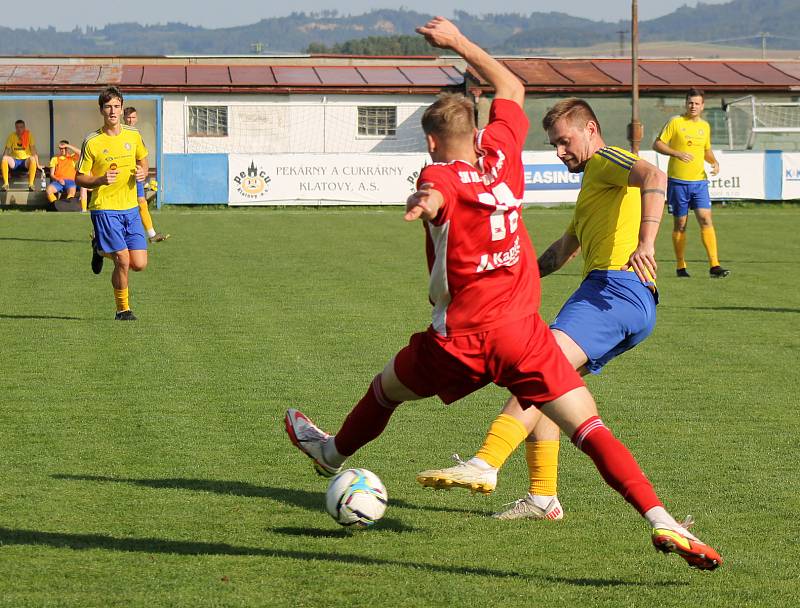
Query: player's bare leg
[(576, 414), (479, 474), (125, 261)]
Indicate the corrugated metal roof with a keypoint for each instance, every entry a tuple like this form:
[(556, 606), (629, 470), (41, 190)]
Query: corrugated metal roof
[(614, 75), (571, 76)]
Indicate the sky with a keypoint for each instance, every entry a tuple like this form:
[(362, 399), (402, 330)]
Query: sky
[(241, 12)]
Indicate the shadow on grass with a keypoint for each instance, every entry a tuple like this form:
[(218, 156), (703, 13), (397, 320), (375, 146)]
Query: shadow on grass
[(85, 542), (748, 308), (18, 238), (387, 524), (57, 318), (290, 496)]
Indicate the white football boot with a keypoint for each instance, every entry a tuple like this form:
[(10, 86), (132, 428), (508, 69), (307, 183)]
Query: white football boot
[(310, 440), (525, 508)]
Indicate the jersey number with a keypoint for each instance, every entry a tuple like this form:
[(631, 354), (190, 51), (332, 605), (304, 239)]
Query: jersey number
[(503, 200)]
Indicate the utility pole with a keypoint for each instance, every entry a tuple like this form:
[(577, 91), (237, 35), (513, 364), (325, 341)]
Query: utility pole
[(635, 129), (622, 42), (764, 44)]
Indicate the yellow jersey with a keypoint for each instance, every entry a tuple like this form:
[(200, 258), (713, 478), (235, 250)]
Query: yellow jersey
[(687, 135), (18, 147), (98, 153), (608, 212)]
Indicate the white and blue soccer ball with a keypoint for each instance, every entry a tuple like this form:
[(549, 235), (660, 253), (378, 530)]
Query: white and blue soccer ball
[(356, 497)]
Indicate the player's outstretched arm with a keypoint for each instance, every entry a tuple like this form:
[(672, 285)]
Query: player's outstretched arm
[(443, 34), (423, 204), (558, 254), (652, 183)]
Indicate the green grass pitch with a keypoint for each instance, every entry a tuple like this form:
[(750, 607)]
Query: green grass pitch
[(145, 464)]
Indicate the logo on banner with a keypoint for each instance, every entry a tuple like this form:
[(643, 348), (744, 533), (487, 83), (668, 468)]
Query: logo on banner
[(551, 177), (253, 182), (792, 175)]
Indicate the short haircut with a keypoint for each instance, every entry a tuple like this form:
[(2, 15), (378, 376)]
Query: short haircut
[(452, 115), (577, 111), (108, 94), (128, 111), (695, 93), (19, 122), (63, 141)]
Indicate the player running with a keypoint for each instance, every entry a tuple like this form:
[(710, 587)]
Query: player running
[(484, 287), (113, 159), (611, 311)]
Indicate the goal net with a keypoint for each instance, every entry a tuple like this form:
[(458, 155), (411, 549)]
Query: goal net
[(749, 119)]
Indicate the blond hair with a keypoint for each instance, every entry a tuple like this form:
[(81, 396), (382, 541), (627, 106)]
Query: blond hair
[(576, 111), (452, 115)]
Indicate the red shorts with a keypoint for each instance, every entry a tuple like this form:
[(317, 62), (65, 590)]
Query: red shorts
[(522, 356)]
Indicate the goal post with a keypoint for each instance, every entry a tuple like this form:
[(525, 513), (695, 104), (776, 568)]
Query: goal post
[(748, 118)]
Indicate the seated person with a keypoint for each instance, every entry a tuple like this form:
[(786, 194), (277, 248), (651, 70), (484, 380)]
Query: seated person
[(20, 151), (62, 171)]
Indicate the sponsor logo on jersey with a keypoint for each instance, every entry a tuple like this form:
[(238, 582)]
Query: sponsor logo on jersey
[(253, 182), (490, 261), (551, 177)]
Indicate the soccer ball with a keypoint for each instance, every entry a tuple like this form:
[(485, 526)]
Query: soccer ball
[(356, 497)]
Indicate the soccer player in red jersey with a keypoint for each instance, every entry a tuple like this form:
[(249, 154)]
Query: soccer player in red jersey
[(484, 286)]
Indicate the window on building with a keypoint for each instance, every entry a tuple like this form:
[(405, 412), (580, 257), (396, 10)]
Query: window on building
[(208, 121), (377, 121)]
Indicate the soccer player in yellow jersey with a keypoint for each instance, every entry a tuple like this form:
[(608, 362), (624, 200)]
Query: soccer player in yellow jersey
[(686, 140), (113, 159), (19, 152), (131, 118), (614, 224)]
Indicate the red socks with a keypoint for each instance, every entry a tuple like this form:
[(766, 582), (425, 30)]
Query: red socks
[(616, 464), (366, 420)]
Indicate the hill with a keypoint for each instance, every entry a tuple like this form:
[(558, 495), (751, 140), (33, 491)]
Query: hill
[(535, 33)]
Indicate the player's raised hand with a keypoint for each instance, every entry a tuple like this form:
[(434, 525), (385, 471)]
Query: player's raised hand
[(643, 262), (423, 204), (441, 33)]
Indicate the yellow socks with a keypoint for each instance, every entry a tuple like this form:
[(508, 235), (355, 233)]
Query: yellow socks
[(5, 173), (679, 245), (31, 173), (147, 221), (709, 237), (542, 457), (505, 434), (51, 197), (121, 298)]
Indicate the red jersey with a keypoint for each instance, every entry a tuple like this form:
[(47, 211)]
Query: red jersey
[(481, 261)]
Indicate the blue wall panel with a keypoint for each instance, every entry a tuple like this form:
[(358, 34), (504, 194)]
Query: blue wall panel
[(195, 179), (773, 175)]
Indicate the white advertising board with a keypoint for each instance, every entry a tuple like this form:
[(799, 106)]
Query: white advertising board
[(741, 175), (285, 179), (790, 176)]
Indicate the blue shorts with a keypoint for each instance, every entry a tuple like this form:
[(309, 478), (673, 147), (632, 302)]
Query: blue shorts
[(118, 230), (19, 163), (683, 195), (139, 189), (609, 313), (68, 184)]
